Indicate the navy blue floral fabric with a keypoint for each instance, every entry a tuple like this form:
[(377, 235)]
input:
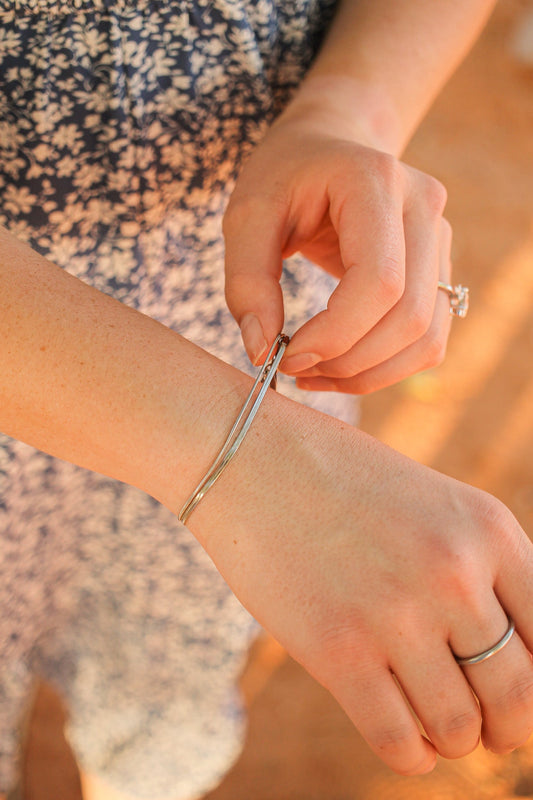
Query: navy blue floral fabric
[(122, 128)]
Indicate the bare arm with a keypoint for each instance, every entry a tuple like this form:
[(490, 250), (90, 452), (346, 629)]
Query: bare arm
[(396, 56), (94, 382)]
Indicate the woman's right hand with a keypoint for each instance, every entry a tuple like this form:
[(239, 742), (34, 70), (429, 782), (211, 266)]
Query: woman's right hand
[(373, 571), (368, 567)]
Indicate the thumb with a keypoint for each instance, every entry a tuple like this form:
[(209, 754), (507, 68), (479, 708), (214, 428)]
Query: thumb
[(253, 267)]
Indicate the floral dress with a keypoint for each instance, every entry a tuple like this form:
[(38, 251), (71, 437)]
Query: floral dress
[(122, 127)]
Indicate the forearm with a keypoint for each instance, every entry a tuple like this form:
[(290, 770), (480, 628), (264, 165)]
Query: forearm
[(384, 62), (96, 383)]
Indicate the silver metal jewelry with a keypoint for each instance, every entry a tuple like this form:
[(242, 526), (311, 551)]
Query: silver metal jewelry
[(459, 298), (492, 650), (265, 378)]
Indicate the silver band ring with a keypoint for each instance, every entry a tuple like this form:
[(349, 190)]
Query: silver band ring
[(459, 298), (491, 651)]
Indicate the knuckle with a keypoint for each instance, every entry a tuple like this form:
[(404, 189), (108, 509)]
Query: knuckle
[(390, 280), (459, 733), (497, 512), (435, 345), (435, 194), (393, 739), (458, 578), (339, 645), (419, 320), (390, 171), (464, 589), (498, 521)]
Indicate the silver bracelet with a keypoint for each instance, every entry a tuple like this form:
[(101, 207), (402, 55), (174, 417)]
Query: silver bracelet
[(265, 378)]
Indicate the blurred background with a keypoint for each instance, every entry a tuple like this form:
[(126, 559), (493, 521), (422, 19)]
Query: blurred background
[(471, 418)]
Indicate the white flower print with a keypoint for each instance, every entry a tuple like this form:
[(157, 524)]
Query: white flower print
[(67, 136), (86, 175), (94, 42), (118, 262), (97, 99), (18, 200), (66, 166), (9, 40), (10, 136), (63, 250), (120, 180), (43, 152), (48, 118)]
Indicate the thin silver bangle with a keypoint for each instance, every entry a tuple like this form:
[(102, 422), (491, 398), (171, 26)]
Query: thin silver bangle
[(265, 378)]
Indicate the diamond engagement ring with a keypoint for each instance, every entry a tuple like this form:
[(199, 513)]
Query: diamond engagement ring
[(477, 659), (458, 296)]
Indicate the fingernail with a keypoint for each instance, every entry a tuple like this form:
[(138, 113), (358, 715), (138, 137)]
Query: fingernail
[(253, 337), (323, 385), (300, 361)]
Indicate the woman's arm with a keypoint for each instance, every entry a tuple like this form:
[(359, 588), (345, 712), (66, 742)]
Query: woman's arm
[(326, 182), (94, 382), (369, 568), (382, 64)]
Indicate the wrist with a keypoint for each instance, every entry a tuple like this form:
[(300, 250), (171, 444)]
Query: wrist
[(348, 108), (264, 379), (193, 423), (251, 482)]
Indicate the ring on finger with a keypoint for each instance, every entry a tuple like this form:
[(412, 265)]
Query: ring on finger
[(458, 296), (491, 651)]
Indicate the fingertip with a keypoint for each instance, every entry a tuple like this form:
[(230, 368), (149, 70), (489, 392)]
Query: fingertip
[(300, 362), (428, 762), (429, 766)]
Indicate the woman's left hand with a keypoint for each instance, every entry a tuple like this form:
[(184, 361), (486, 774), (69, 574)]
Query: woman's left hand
[(363, 216)]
